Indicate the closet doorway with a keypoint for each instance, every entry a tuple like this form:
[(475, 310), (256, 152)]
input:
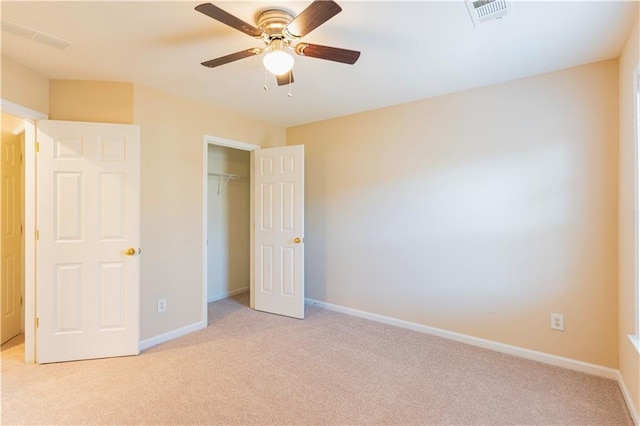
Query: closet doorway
[(12, 217), (228, 218)]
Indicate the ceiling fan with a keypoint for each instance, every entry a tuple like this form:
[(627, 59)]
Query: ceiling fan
[(281, 31)]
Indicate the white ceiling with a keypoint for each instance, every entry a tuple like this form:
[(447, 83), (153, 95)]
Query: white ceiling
[(411, 50)]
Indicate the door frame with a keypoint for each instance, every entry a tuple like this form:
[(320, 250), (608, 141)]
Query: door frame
[(30, 116), (227, 143)]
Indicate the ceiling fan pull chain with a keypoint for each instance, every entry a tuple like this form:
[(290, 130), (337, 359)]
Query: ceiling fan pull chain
[(290, 94), (265, 87)]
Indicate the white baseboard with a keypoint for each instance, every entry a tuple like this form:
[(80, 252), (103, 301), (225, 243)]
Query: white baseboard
[(628, 400), (165, 337), (558, 361), (226, 294)]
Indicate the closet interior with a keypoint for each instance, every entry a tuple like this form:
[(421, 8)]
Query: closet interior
[(227, 222)]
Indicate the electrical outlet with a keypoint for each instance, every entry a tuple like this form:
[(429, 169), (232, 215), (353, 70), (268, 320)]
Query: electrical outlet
[(557, 322), (162, 305)]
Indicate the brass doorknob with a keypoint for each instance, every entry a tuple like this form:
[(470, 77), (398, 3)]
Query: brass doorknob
[(297, 240), (130, 251)]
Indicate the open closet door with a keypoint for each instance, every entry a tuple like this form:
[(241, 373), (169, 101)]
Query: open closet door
[(279, 230), (88, 214)]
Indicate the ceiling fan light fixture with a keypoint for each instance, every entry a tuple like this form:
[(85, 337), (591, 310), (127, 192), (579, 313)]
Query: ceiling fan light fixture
[(277, 61)]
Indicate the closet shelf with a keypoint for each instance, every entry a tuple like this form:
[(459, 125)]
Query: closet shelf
[(225, 178)]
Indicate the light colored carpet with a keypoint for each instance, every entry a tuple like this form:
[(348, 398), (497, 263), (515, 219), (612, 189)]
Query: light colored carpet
[(249, 367)]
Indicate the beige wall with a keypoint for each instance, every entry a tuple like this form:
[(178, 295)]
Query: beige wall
[(23, 86), (172, 199), (629, 357), (479, 212), (93, 101), (9, 124)]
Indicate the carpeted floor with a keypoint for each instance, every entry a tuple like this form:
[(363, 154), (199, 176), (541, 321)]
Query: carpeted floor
[(249, 367)]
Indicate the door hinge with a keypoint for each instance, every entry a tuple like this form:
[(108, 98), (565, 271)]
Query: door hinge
[(37, 322), (37, 235), (37, 146), (20, 300), (20, 229)]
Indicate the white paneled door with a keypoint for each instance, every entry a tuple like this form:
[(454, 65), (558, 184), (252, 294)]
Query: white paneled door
[(11, 269), (88, 211), (279, 230)]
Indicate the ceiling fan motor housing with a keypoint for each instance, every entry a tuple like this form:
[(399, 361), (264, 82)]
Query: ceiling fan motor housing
[(272, 23)]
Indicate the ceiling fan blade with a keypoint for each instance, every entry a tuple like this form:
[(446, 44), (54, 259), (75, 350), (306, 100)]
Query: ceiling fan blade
[(329, 53), (226, 18), (316, 14), (232, 57), (284, 79)]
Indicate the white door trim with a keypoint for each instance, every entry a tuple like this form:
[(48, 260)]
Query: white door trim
[(30, 221), (30, 242), (21, 111), (228, 143)]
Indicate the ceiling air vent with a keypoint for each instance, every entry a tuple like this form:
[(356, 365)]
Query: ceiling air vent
[(486, 10), (33, 35)]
